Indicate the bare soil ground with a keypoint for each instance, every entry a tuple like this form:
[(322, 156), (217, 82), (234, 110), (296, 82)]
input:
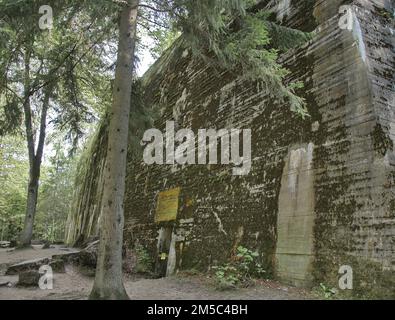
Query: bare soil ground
[(76, 286)]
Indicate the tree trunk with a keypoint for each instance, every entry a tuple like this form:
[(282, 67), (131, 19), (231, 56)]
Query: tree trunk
[(35, 158), (108, 280), (31, 204), (26, 235)]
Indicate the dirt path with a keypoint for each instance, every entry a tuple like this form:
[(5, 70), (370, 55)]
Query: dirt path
[(74, 285), (196, 288)]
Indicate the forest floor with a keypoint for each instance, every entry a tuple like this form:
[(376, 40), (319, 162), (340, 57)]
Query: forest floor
[(74, 285)]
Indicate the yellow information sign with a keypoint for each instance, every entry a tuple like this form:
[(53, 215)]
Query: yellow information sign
[(167, 206)]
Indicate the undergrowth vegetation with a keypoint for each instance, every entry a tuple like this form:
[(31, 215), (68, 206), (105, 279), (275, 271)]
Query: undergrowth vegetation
[(243, 268)]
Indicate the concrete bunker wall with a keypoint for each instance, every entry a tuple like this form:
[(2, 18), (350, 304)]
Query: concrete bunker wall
[(345, 164), (350, 183)]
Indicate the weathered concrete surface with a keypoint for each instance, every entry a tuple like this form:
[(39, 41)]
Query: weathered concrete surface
[(4, 244), (28, 265), (82, 222), (29, 278), (349, 185), (351, 104), (295, 220)]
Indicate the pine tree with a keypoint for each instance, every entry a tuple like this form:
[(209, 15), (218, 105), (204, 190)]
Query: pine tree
[(108, 280)]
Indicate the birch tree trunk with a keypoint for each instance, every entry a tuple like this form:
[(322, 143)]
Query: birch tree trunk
[(108, 280)]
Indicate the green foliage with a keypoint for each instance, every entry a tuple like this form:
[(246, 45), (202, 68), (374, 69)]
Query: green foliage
[(55, 197), (10, 116), (240, 41), (75, 68), (144, 263), (14, 169), (227, 277), (284, 38), (240, 271), (327, 292), (163, 39), (231, 35), (247, 262), (71, 65)]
